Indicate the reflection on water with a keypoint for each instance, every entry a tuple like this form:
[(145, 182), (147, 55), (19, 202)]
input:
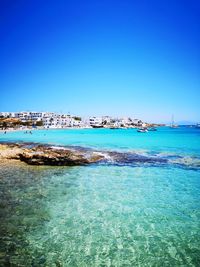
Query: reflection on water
[(99, 216)]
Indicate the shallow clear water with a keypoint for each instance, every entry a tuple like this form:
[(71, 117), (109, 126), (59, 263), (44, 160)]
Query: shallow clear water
[(103, 215)]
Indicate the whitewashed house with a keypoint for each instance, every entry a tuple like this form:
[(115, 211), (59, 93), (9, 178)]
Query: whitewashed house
[(95, 121)]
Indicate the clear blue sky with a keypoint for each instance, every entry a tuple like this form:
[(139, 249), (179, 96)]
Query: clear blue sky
[(138, 58)]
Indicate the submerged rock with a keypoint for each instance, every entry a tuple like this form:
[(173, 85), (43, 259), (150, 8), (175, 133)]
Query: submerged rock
[(130, 158)]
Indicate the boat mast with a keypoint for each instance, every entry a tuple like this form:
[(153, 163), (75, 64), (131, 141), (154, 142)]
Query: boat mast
[(172, 124)]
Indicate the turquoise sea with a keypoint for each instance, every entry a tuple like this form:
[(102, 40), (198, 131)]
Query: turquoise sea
[(113, 214)]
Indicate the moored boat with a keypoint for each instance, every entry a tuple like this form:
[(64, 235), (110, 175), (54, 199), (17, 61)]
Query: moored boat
[(97, 126), (142, 130), (173, 125)]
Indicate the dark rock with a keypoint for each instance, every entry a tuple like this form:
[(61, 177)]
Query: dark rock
[(39, 154)]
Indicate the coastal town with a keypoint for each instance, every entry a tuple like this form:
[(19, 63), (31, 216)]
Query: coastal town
[(51, 120)]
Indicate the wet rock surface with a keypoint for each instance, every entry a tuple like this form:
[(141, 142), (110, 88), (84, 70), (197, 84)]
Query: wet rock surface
[(34, 154), (39, 154)]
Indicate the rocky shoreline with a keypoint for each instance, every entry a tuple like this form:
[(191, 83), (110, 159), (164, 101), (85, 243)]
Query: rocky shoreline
[(46, 154), (37, 154)]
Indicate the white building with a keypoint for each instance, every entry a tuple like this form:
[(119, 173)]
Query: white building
[(61, 121), (106, 120), (95, 121), (29, 116), (7, 114), (54, 120)]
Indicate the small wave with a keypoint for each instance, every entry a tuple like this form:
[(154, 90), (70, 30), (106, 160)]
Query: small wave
[(106, 156), (58, 147)]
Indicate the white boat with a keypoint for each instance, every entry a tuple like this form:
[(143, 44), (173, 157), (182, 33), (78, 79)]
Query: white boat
[(173, 125), (142, 130)]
